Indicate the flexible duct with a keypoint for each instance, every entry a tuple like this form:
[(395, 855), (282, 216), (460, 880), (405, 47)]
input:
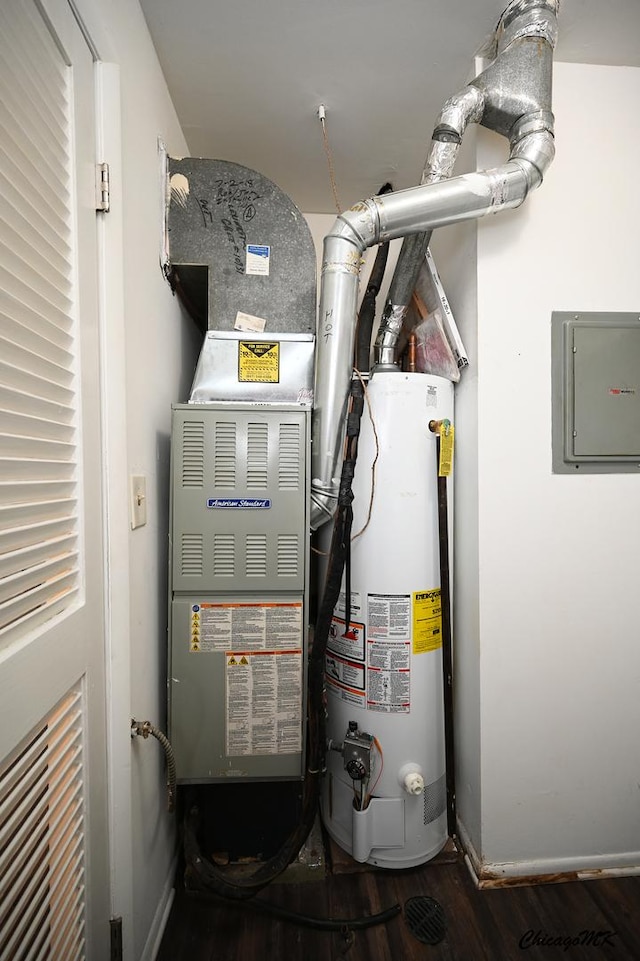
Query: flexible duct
[(512, 97)]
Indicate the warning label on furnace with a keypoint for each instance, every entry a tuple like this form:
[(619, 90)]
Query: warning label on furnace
[(263, 713), (246, 627), (389, 616), (427, 621), (258, 362)]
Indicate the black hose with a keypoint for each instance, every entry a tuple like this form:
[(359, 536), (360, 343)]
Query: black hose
[(202, 875), (327, 924)]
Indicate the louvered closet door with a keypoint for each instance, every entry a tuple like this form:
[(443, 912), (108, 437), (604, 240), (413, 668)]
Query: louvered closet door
[(53, 830)]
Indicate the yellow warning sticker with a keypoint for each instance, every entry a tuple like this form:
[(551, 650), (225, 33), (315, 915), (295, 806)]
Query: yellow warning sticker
[(194, 644), (258, 362), (427, 621), (446, 450)]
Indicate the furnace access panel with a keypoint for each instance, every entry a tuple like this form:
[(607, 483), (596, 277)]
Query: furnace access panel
[(239, 597)]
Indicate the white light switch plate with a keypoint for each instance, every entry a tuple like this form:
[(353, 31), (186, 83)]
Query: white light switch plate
[(138, 500)]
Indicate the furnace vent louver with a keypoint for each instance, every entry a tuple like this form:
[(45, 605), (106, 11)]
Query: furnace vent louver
[(257, 456), (193, 454), (224, 555), (256, 555), (192, 555), (289, 459), (225, 454), (288, 559)]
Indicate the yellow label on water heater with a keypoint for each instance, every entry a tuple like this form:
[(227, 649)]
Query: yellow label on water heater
[(446, 450), (427, 621)]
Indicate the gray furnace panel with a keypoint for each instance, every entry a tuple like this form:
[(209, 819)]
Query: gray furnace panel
[(239, 591), (596, 392), (239, 498), (237, 714)]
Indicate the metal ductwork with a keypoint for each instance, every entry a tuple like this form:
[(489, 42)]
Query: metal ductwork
[(512, 97)]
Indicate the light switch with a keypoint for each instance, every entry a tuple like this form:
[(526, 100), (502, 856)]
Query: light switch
[(138, 489)]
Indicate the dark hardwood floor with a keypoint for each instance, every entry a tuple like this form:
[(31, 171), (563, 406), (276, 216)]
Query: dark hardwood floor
[(491, 925)]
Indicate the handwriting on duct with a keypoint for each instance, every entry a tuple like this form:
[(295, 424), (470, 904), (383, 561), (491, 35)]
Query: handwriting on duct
[(239, 197)]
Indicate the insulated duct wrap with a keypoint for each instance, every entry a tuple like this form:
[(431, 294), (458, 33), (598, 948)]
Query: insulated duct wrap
[(219, 212)]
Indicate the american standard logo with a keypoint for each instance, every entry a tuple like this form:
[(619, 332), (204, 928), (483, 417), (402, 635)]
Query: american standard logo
[(591, 939), (259, 503)]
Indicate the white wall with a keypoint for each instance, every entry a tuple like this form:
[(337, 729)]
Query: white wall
[(150, 353), (557, 556)]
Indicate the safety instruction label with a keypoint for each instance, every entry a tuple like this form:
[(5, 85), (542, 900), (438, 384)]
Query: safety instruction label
[(263, 693), (389, 616), (389, 691), (246, 627), (258, 362), (389, 676), (348, 673), (352, 695), (349, 643), (258, 257), (427, 621)]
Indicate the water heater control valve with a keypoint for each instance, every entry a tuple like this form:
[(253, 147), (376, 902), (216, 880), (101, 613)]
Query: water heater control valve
[(356, 753)]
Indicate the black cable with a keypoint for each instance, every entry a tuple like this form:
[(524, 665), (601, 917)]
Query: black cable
[(310, 921), (328, 924)]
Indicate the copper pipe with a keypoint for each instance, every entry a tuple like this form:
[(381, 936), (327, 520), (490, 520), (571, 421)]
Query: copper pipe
[(411, 353)]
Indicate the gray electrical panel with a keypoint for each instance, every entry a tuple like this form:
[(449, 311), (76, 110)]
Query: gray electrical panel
[(239, 596), (595, 392)]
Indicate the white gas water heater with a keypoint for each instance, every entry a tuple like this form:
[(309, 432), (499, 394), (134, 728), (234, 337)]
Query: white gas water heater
[(384, 796)]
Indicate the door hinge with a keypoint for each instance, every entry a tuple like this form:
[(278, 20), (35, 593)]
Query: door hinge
[(116, 939), (102, 187)]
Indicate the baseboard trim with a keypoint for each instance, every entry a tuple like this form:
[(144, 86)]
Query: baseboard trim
[(487, 875), (160, 918)]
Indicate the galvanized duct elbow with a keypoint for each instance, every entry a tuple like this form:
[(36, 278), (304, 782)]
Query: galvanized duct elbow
[(513, 97)]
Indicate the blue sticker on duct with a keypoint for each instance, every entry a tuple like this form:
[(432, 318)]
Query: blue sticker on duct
[(253, 503)]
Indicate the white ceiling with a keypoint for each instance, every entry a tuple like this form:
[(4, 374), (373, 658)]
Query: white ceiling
[(247, 76)]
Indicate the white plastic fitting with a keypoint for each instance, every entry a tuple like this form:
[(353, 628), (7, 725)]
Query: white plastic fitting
[(414, 783), (411, 779)]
